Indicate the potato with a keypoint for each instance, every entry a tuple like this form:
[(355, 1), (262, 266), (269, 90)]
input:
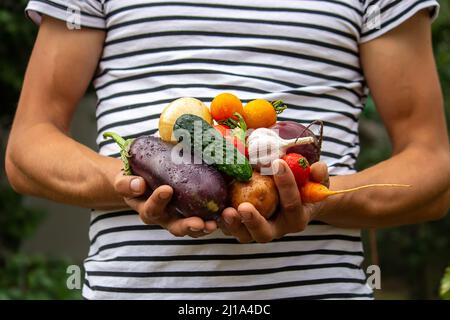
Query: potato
[(259, 191)]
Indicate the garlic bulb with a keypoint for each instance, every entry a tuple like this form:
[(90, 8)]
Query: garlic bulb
[(265, 146)]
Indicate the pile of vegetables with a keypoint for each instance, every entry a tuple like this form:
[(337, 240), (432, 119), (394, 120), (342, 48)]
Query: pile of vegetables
[(220, 156)]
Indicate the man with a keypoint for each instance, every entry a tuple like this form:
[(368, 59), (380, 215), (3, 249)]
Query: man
[(318, 56)]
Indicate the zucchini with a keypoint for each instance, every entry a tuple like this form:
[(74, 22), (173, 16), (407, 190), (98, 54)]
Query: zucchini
[(198, 135)]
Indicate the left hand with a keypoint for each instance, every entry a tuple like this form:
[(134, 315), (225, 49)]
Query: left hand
[(247, 224)]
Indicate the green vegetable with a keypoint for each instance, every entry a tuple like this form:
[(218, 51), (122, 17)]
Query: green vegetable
[(202, 139)]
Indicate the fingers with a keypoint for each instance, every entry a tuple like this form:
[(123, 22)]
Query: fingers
[(193, 226), (152, 210), (257, 226), (210, 226), (248, 224), (234, 226), (287, 188), (292, 217), (319, 173), (129, 186), (223, 226)]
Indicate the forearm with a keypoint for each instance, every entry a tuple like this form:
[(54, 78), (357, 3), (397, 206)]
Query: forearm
[(428, 198), (42, 161)]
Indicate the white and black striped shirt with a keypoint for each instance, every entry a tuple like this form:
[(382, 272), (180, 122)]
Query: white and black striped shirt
[(304, 52)]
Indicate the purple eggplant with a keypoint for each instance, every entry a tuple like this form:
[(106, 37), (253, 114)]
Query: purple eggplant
[(199, 189)]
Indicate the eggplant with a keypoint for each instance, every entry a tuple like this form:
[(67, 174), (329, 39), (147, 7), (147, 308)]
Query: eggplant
[(198, 189), (292, 129)]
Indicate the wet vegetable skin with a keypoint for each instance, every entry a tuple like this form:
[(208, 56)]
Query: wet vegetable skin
[(199, 189)]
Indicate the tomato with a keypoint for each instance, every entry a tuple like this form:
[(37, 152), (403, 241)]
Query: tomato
[(224, 106), (299, 167), (262, 113)]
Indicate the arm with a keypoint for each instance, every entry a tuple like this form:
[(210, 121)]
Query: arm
[(41, 158), (401, 73), (44, 161)]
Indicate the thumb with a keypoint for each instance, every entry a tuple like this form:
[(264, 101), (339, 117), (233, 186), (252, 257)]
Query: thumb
[(319, 173), (129, 186)]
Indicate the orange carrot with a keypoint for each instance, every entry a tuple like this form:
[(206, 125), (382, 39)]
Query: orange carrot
[(312, 192)]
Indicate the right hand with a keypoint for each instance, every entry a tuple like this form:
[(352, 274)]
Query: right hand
[(152, 209)]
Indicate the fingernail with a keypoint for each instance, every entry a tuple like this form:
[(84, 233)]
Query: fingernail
[(245, 215), (278, 168), (135, 184), (194, 229), (164, 195), (281, 168), (205, 231), (228, 220)]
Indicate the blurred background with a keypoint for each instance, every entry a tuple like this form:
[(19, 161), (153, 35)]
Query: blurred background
[(39, 239)]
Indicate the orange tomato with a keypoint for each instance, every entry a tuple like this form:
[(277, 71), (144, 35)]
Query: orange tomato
[(224, 105), (259, 114)]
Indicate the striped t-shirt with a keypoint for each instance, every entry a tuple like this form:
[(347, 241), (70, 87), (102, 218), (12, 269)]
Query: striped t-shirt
[(304, 52)]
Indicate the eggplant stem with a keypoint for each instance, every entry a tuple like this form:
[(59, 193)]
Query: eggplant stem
[(124, 146), (118, 139)]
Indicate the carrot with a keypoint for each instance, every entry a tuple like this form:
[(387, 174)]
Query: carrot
[(312, 192)]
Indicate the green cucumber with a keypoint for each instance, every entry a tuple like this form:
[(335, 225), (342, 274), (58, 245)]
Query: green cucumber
[(215, 150)]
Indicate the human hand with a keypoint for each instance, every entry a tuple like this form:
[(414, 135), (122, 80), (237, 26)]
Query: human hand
[(152, 209), (247, 224)]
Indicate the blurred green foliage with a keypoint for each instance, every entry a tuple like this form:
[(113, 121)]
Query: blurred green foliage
[(445, 285), (21, 276), (16, 37), (414, 256), (17, 222), (27, 276), (35, 277)]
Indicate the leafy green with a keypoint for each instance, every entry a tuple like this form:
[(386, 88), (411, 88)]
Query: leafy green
[(445, 285)]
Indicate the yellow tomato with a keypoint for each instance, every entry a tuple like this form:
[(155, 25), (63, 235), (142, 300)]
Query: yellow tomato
[(259, 114)]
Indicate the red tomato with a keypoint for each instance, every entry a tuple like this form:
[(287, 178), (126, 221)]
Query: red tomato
[(299, 167)]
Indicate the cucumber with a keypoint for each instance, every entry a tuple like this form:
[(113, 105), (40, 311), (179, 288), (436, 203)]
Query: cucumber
[(198, 135)]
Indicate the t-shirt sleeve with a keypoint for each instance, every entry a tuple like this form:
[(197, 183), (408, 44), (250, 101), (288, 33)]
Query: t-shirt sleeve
[(83, 13), (381, 16)]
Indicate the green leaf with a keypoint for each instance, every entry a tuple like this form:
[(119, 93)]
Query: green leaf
[(445, 285)]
